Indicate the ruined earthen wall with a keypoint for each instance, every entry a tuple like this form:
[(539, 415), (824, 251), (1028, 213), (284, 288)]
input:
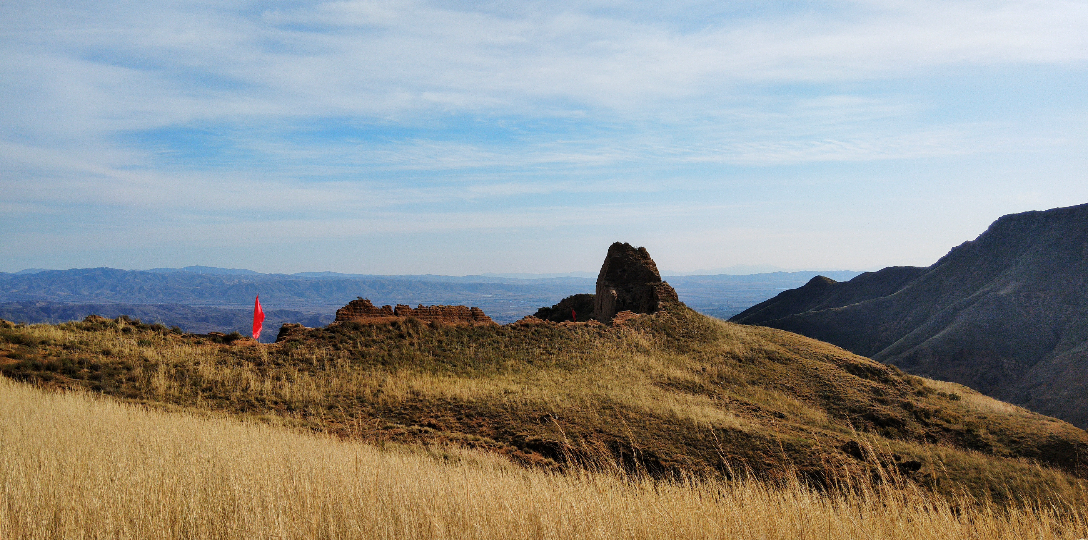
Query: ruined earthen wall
[(629, 281), (443, 313), (362, 310)]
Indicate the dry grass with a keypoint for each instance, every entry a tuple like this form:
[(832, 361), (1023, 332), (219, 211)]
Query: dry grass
[(625, 370), (977, 401), (669, 395), (75, 466)]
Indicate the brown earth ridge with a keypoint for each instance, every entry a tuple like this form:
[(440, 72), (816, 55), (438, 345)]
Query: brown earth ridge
[(362, 310)]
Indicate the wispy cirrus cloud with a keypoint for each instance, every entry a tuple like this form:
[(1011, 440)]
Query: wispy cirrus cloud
[(188, 112), (369, 58)]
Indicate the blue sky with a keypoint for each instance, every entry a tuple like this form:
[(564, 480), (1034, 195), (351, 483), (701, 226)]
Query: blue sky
[(470, 137)]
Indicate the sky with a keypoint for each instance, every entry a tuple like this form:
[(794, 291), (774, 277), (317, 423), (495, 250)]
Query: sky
[(416, 137)]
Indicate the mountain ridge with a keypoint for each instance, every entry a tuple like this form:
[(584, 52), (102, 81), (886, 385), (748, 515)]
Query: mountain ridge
[(1004, 313)]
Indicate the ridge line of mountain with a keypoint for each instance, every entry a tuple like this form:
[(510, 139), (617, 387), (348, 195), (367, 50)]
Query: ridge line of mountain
[(1005, 313)]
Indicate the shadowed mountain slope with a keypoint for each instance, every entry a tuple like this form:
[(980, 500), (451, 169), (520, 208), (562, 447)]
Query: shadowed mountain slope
[(1006, 313)]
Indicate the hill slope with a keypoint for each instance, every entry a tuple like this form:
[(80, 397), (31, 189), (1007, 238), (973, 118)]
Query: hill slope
[(1006, 314), (670, 393), (75, 465)]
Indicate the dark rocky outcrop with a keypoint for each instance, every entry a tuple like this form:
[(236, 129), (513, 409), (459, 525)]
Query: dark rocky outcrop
[(578, 307), (629, 281), (1006, 314), (362, 310)]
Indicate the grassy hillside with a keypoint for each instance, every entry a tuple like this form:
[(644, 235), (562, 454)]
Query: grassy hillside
[(72, 465), (675, 393)]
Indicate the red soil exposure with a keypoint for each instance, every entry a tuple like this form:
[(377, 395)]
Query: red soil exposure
[(362, 310), (623, 317)]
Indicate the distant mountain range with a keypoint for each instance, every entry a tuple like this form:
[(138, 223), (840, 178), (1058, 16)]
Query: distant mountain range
[(202, 299), (237, 288), (1006, 314)]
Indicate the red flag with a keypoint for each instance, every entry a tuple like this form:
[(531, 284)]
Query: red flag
[(258, 318), (573, 315)]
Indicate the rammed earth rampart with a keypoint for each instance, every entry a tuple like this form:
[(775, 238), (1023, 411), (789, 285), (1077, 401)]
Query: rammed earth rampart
[(362, 310)]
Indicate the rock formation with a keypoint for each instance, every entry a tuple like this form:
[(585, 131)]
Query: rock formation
[(288, 330), (578, 307), (629, 281), (362, 310)]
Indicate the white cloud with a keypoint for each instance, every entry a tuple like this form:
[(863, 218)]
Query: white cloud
[(175, 62), (637, 91)]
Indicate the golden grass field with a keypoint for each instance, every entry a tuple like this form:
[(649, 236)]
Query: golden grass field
[(76, 465), (677, 394), (676, 426)]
